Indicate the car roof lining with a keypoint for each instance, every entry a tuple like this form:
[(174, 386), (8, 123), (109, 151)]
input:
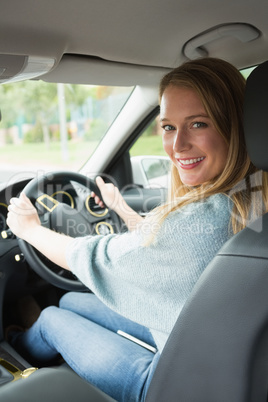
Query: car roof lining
[(131, 33)]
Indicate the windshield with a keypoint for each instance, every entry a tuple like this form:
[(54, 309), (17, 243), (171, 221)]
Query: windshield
[(47, 127)]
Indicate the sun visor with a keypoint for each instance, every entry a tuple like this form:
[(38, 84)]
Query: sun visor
[(78, 69), (19, 68)]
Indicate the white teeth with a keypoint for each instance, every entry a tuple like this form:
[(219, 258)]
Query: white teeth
[(190, 161)]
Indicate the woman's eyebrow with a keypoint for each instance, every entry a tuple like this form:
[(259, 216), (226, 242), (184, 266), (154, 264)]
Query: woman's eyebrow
[(194, 116)]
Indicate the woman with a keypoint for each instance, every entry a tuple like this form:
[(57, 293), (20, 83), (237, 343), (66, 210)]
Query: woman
[(145, 276)]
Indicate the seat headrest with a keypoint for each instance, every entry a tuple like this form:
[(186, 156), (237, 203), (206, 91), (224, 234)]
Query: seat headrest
[(256, 116)]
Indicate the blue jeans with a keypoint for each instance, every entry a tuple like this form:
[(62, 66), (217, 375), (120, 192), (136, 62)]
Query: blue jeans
[(83, 331)]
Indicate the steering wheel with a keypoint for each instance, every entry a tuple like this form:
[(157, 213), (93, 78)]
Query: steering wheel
[(57, 216)]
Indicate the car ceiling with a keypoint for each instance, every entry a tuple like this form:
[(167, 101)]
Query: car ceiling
[(127, 41)]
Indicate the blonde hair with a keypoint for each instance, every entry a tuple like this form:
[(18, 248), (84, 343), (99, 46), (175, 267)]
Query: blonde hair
[(220, 87)]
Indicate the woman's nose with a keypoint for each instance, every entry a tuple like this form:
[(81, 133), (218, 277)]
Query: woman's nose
[(181, 142)]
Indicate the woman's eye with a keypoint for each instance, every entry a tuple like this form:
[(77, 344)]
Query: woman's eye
[(168, 127), (199, 124)]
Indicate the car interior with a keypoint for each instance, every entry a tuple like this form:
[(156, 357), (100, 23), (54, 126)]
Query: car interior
[(218, 349)]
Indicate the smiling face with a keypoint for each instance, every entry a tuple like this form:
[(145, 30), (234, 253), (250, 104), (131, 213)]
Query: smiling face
[(190, 139)]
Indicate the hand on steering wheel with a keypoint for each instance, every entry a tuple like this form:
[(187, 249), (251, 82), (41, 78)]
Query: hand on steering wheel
[(57, 216)]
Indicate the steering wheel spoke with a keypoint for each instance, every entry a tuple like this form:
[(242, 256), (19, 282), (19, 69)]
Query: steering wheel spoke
[(45, 221)]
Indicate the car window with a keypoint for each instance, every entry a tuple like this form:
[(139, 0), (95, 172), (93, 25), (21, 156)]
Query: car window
[(48, 126), (150, 142), (150, 165), (246, 71)]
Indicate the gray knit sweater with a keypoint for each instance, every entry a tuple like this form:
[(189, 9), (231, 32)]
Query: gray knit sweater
[(150, 284)]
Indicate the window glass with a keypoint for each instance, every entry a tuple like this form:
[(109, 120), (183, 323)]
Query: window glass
[(150, 165), (246, 71), (48, 127), (150, 142)]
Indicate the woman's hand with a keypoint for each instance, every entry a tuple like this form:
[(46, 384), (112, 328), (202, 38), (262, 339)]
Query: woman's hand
[(112, 198), (23, 220), (22, 216), (110, 194)]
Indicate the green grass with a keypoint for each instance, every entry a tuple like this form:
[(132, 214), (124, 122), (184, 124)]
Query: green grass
[(148, 146), (78, 152)]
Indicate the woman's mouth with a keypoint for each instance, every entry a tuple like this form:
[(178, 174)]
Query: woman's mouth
[(190, 163)]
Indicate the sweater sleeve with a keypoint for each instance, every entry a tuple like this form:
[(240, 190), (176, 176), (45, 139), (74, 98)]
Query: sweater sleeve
[(150, 284)]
